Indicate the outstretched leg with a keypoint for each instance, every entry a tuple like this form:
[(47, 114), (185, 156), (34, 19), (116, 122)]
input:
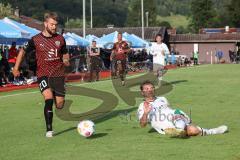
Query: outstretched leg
[(196, 130)]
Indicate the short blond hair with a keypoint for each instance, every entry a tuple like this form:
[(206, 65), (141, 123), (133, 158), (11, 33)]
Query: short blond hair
[(52, 15)]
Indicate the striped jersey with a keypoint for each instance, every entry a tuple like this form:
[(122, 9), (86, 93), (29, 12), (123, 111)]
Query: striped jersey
[(48, 52), (119, 49)]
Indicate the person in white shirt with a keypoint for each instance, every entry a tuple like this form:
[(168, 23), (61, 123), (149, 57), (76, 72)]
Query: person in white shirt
[(165, 120), (158, 50)]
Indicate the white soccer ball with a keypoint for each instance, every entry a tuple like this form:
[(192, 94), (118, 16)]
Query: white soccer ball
[(86, 128)]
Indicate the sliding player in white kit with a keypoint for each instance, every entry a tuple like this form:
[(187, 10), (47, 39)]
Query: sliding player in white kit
[(159, 50), (165, 120)]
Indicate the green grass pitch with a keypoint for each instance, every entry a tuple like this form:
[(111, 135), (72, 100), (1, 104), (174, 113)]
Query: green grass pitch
[(211, 91)]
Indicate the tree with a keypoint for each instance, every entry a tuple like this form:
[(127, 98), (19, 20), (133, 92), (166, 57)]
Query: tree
[(75, 23), (234, 14), (134, 13), (202, 14), (222, 16), (5, 10), (104, 12), (182, 30), (150, 7), (165, 24), (168, 7)]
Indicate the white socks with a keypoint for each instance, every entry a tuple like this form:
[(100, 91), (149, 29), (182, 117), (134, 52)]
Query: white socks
[(219, 130)]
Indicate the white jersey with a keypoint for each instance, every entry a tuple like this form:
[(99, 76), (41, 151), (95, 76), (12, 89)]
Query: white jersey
[(159, 51), (161, 116)]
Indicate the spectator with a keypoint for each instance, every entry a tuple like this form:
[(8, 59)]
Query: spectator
[(76, 58), (166, 58), (231, 55), (31, 62), (187, 62), (3, 68), (195, 57), (84, 60), (95, 61), (173, 58), (219, 55), (12, 55), (105, 56), (6, 52), (238, 56), (180, 61)]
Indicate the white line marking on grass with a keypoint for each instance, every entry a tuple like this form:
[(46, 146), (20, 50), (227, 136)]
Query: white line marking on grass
[(129, 76), (198, 66), (18, 94)]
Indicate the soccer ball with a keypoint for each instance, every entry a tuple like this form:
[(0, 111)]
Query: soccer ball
[(86, 128)]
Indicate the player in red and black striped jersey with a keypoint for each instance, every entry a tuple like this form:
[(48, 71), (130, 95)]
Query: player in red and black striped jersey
[(51, 57), (119, 57)]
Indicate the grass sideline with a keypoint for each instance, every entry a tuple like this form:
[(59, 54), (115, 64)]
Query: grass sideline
[(211, 91)]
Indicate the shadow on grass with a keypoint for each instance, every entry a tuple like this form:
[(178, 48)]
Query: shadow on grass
[(66, 130), (152, 131), (115, 114), (110, 115), (97, 135), (186, 137), (179, 81)]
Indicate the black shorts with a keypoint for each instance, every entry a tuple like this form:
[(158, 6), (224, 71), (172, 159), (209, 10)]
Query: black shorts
[(56, 84), (122, 64), (96, 64)]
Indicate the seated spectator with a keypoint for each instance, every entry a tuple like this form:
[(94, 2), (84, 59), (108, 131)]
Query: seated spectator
[(179, 61), (12, 55)]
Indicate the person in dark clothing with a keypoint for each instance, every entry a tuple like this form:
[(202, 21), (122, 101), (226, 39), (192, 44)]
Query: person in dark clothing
[(95, 61)]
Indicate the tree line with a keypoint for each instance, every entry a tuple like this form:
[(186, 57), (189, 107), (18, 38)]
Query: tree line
[(127, 13)]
